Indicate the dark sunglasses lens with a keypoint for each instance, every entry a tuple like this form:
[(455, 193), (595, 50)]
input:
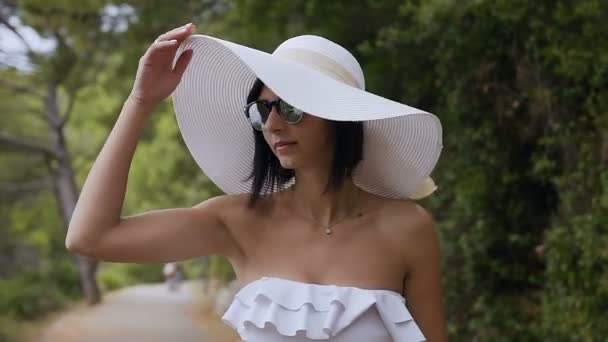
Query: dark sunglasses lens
[(263, 108), (290, 113)]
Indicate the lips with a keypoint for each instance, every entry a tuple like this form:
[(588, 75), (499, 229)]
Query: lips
[(283, 144)]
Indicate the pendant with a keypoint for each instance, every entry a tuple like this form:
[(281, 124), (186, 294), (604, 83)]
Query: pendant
[(328, 230)]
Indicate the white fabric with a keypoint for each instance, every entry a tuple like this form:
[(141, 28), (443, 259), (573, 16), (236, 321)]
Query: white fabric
[(273, 309), (321, 63), (402, 144), (306, 45), (424, 189)]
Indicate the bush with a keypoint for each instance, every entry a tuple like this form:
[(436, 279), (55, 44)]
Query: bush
[(63, 274), (112, 276), (29, 295)]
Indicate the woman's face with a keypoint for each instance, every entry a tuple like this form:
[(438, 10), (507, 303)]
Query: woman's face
[(305, 144)]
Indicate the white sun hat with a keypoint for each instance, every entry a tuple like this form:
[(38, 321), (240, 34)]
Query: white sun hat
[(401, 144)]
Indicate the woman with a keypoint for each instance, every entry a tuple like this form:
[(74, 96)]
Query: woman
[(318, 221)]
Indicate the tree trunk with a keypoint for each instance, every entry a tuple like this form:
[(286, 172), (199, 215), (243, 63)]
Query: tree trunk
[(66, 191)]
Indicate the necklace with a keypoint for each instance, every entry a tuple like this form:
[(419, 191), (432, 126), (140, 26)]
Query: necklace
[(328, 226)]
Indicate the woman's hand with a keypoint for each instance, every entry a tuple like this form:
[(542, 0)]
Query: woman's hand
[(156, 78)]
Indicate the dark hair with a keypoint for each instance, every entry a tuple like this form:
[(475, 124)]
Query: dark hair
[(268, 175)]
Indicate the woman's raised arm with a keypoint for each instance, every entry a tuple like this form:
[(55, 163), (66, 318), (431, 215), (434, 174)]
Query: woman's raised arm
[(96, 228)]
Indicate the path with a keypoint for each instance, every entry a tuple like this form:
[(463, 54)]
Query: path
[(141, 313)]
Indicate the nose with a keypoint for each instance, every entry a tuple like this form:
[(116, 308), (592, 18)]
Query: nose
[(274, 122)]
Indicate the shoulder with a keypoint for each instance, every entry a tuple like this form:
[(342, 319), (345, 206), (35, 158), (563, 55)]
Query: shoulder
[(238, 201), (231, 200), (234, 211), (235, 207), (411, 229), (229, 209), (407, 215)]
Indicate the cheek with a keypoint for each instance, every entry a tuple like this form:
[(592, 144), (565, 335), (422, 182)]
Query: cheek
[(319, 138), (265, 136), (324, 134)]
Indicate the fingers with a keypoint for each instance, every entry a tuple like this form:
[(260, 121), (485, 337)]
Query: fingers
[(166, 44), (182, 62), (178, 34)]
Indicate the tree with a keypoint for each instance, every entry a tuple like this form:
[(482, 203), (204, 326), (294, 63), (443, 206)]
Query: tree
[(87, 35)]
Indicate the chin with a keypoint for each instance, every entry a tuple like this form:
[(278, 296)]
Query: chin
[(287, 163)]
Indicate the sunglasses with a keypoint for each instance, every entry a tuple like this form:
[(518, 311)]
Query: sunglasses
[(258, 112)]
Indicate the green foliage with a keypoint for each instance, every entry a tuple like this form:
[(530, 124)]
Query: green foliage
[(577, 295), (63, 275), (112, 276), (33, 294), (28, 296)]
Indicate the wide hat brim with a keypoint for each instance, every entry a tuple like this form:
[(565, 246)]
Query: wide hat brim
[(402, 144)]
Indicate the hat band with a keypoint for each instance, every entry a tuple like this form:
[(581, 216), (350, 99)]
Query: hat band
[(321, 63)]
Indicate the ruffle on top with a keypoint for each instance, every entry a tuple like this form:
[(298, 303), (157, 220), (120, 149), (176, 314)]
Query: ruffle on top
[(321, 311)]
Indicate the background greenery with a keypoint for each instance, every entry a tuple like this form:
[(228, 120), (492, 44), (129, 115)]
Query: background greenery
[(521, 90)]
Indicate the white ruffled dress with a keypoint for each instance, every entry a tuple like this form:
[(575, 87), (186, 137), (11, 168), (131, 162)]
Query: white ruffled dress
[(273, 309)]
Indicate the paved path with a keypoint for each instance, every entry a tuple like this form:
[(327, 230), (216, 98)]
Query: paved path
[(141, 313)]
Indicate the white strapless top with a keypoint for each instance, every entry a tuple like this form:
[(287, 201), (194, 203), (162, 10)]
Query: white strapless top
[(272, 309)]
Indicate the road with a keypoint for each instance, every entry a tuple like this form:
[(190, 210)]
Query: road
[(140, 313)]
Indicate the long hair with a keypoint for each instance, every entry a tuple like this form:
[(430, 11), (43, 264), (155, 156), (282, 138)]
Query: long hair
[(267, 173)]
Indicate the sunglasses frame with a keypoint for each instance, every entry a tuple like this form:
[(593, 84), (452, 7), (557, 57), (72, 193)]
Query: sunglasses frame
[(269, 105)]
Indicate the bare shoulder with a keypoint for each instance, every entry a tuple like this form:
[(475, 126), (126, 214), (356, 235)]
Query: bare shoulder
[(234, 208), (410, 227), (408, 216), (422, 268)]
